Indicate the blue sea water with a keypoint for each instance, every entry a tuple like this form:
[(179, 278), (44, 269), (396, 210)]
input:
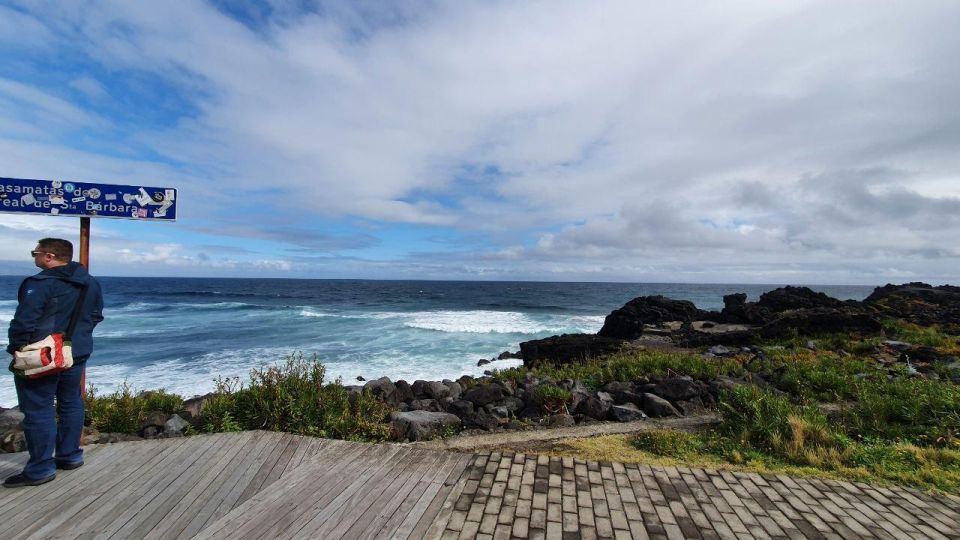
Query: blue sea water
[(182, 333)]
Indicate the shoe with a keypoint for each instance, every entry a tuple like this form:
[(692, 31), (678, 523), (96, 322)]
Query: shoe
[(19, 480), (69, 465)]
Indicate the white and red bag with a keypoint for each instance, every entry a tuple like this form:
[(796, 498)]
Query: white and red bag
[(50, 355)]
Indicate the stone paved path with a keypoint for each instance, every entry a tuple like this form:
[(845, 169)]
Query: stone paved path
[(526, 496)]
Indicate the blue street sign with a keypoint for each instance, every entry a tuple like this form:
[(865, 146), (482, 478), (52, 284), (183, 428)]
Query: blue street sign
[(63, 198)]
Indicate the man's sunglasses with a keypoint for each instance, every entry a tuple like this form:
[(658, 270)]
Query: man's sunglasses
[(35, 253)]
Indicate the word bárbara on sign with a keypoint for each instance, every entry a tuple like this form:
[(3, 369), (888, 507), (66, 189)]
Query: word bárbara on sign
[(85, 199)]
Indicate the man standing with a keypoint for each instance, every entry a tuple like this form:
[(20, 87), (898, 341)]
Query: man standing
[(46, 306)]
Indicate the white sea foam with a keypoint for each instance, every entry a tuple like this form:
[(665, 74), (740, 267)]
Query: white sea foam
[(214, 305), (139, 307), (475, 322), (500, 322), (134, 307), (307, 312)]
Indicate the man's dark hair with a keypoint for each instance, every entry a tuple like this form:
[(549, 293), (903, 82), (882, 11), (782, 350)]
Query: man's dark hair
[(62, 249)]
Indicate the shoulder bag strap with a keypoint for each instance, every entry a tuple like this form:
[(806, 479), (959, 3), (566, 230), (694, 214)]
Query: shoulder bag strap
[(76, 314)]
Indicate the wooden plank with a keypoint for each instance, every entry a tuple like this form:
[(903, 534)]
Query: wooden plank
[(14, 503), (19, 460), (435, 518), (308, 450), (200, 500), (426, 501), (404, 507), (152, 506), (367, 500), (382, 506), (100, 495), (64, 495), (330, 503), (113, 503), (167, 527), (288, 444), (232, 500), (271, 506), (332, 478), (144, 488), (11, 464), (219, 498)]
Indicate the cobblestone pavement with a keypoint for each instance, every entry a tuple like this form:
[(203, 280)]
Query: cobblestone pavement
[(529, 496)]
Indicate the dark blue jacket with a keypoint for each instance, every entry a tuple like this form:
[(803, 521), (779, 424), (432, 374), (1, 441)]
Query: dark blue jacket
[(46, 305)]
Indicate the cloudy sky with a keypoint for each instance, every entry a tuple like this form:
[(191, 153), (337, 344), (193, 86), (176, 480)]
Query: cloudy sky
[(745, 142)]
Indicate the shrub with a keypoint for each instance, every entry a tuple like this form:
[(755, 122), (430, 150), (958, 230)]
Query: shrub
[(123, 410), (294, 398)]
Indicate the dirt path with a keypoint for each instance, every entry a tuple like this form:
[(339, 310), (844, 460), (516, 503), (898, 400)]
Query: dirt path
[(532, 439)]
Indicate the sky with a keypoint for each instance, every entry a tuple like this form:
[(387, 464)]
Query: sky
[(782, 142)]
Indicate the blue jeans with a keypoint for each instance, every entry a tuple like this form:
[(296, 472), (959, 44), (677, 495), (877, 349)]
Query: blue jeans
[(46, 436)]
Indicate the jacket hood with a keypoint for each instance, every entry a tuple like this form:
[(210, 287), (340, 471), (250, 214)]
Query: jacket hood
[(72, 272)]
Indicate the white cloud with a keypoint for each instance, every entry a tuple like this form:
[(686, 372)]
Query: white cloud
[(772, 132)]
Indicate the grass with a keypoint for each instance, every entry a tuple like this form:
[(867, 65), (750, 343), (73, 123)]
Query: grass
[(764, 432), (818, 375), (552, 399), (930, 336), (917, 410), (632, 366)]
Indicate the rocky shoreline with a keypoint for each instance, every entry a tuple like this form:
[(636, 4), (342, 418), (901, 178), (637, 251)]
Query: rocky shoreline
[(430, 409)]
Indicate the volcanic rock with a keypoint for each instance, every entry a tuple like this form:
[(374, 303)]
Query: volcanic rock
[(484, 394), (788, 298), (568, 348), (421, 425), (657, 407), (627, 412), (383, 389), (822, 321), (918, 303), (627, 322), (592, 407), (678, 388), (737, 310)]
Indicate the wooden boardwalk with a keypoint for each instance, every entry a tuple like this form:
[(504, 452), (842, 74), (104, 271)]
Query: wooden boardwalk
[(273, 485)]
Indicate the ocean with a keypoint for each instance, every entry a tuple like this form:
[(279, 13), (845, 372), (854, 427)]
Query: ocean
[(180, 334)]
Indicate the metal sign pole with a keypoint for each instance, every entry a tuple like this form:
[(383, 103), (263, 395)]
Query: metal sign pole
[(85, 242), (85, 262)]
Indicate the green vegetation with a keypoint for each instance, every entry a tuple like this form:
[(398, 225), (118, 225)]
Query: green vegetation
[(818, 375), (919, 410), (124, 410), (552, 399), (293, 397), (762, 431), (633, 366), (932, 336), (887, 425)]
